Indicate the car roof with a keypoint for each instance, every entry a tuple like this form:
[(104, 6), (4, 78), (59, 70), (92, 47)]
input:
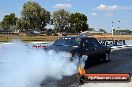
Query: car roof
[(76, 37)]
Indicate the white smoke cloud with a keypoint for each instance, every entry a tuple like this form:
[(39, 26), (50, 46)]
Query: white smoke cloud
[(25, 67)]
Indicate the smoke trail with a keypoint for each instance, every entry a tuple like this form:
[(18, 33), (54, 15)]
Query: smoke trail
[(26, 67)]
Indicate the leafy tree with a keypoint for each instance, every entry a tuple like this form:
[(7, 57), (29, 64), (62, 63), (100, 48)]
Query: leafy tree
[(21, 24), (126, 31), (34, 16), (91, 29), (61, 20), (9, 21), (102, 30), (78, 22)]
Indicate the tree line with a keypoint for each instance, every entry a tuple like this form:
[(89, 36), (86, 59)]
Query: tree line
[(121, 32), (33, 16)]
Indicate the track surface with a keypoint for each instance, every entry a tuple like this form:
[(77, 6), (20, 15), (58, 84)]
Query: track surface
[(120, 62)]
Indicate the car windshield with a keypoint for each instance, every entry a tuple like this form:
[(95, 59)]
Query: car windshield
[(68, 42)]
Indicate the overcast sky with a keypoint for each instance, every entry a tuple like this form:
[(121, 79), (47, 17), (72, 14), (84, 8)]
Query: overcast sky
[(100, 13)]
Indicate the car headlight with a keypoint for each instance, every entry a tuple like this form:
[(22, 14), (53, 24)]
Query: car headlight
[(67, 54)]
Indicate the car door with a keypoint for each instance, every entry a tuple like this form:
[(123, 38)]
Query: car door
[(97, 47), (87, 47)]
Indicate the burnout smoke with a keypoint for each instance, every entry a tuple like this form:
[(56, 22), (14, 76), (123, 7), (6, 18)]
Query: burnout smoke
[(21, 66)]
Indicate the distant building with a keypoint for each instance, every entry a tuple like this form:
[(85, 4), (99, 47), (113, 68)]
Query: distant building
[(89, 33), (125, 33)]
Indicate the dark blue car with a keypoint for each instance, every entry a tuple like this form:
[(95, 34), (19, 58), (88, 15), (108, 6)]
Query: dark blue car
[(80, 46)]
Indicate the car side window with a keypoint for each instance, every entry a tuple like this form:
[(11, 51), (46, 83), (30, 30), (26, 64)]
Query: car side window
[(70, 42), (95, 42), (87, 43)]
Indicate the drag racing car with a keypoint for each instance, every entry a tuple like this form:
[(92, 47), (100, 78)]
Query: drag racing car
[(80, 46)]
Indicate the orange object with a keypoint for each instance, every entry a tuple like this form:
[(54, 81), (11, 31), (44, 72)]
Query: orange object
[(81, 70), (103, 77)]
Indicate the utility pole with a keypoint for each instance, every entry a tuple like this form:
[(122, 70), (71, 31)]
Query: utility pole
[(112, 29)]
